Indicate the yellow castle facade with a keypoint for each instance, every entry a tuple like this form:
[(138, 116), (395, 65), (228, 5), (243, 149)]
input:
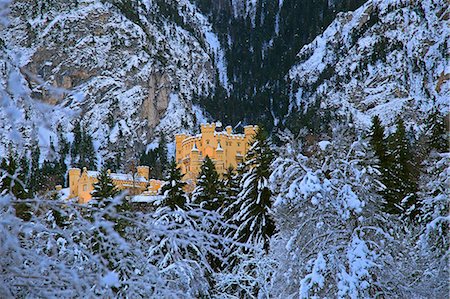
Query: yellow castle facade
[(81, 182), (224, 147)]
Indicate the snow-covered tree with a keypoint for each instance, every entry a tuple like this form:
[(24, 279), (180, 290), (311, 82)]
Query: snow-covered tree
[(329, 217), (208, 191), (104, 188), (173, 190), (434, 196), (230, 190), (254, 202), (401, 175)]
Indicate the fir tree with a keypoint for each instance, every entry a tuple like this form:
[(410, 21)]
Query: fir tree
[(77, 141), (162, 157), (401, 176), (230, 191), (434, 197), (254, 201), (174, 195), (436, 132), (378, 141), (12, 182), (35, 182), (52, 174), (63, 150), (156, 158), (207, 193), (24, 166), (104, 188), (87, 152)]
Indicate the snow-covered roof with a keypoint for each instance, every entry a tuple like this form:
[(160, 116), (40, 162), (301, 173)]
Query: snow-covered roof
[(127, 177), (146, 198), (92, 173), (119, 176)]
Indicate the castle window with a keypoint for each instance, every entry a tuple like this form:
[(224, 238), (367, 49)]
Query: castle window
[(207, 141), (84, 187), (239, 144)]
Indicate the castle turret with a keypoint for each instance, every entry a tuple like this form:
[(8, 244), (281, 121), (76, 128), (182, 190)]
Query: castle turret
[(178, 146), (74, 176), (143, 171), (195, 159), (207, 130), (229, 130), (250, 131), (220, 159)]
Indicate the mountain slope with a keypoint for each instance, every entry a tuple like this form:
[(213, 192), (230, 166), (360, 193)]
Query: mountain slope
[(261, 39), (387, 58), (118, 66)]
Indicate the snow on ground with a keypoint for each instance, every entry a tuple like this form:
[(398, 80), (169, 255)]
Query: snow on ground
[(383, 59), (64, 193)]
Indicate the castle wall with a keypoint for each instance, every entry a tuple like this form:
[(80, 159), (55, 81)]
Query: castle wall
[(230, 153), (81, 183)]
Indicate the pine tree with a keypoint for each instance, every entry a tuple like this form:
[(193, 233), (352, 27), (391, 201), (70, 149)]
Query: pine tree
[(35, 182), (207, 193), (434, 197), (174, 195), (12, 182), (77, 141), (162, 156), (230, 191), (378, 141), (401, 176), (104, 188), (254, 201), (436, 132), (63, 151), (24, 165), (87, 152)]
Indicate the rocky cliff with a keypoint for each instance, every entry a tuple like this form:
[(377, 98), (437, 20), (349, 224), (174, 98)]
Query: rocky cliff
[(115, 65), (387, 58)]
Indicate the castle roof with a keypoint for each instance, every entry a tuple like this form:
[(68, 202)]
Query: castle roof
[(119, 176)]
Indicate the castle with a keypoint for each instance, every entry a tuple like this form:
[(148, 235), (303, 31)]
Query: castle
[(223, 147), (81, 183)]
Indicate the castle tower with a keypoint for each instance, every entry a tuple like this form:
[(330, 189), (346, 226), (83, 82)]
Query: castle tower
[(207, 131), (178, 146), (218, 143), (74, 176), (220, 159), (143, 171), (250, 131), (195, 162)]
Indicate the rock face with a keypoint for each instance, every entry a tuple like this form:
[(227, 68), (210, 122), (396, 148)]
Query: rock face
[(114, 65), (157, 100), (387, 58)]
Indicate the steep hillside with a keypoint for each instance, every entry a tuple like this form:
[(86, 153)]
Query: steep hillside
[(118, 66), (261, 39), (387, 58)]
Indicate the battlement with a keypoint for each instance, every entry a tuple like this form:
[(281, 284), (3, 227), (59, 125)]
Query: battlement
[(81, 182), (225, 148), (207, 128)]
